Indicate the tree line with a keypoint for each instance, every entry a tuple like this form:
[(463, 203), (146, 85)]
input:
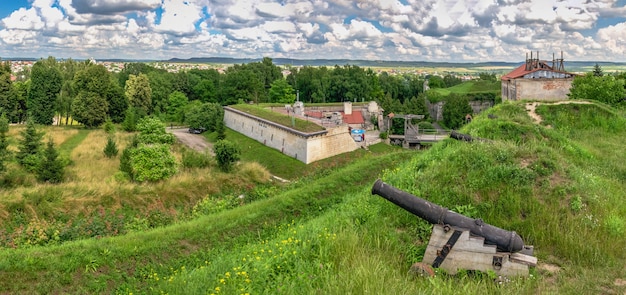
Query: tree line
[(90, 94)]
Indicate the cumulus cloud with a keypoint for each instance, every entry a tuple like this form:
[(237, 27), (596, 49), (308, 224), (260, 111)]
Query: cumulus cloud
[(179, 18), (448, 30)]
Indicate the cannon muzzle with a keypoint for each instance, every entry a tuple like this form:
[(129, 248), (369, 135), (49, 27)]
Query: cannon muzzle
[(508, 241)]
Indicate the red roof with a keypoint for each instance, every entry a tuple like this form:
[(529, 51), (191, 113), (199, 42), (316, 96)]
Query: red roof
[(521, 70), (354, 118)]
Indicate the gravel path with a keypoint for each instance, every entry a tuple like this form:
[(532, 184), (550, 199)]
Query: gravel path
[(193, 141)]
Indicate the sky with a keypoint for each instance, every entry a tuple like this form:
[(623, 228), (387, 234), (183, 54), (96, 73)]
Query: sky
[(395, 30)]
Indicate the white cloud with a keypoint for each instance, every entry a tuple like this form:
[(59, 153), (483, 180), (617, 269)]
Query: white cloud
[(24, 19), (461, 30), (179, 17), (613, 38)]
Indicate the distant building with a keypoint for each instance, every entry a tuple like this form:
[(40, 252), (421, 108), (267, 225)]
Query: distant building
[(537, 80)]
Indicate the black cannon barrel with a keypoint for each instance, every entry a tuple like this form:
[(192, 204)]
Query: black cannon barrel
[(508, 241)]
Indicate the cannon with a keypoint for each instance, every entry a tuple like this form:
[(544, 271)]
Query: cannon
[(466, 243)]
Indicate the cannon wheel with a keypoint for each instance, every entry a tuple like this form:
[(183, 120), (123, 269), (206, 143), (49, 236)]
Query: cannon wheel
[(421, 269)]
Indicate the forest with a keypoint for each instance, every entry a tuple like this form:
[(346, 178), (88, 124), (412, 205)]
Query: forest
[(60, 91)]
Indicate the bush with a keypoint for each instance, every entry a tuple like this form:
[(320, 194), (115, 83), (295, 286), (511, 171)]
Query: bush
[(152, 162), (226, 154), (109, 127), (110, 150), (152, 130)]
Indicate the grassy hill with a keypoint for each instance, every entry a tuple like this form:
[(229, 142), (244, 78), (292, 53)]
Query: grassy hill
[(559, 184), (469, 87)]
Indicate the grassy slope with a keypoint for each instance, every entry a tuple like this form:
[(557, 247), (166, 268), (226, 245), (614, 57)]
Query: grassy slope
[(470, 87), (103, 265), (561, 188)]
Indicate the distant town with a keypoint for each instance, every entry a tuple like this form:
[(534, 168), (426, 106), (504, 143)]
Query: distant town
[(465, 71)]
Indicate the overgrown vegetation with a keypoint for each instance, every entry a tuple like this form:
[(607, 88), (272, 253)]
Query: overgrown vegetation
[(558, 184)]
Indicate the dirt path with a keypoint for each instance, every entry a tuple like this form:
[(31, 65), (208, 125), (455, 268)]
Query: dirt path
[(532, 106), (193, 141)]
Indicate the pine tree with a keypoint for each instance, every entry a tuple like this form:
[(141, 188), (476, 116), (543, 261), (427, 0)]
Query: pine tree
[(51, 168), (597, 71), (110, 150), (29, 147)]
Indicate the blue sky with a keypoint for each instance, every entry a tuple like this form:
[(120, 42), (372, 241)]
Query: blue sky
[(432, 30)]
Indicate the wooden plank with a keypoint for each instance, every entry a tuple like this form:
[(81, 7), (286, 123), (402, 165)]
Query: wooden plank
[(523, 258)]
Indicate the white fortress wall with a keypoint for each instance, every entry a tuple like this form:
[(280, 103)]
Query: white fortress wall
[(336, 141), (305, 147)]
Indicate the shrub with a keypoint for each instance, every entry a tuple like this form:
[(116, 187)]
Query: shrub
[(109, 127), (226, 154), (152, 130), (110, 150), (152, 162)]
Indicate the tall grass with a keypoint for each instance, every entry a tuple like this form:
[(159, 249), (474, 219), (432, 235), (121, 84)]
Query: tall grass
[(559, 187)]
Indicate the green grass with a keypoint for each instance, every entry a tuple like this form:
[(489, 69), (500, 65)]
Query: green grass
[(282, 119), (470, 87), (559, 185), (68, 145), (109, 264), (287, 167)]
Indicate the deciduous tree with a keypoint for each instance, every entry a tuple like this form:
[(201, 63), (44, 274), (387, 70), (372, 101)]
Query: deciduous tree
[(46, 82), (139, 93), (606, 89)]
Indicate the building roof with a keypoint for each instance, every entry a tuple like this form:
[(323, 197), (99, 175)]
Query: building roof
[(526, 68), (354, 118)]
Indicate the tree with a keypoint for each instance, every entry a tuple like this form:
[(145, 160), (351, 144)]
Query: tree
[(177, 101), (130, 120), (282, 92), (597, 70), (204, 116), (51, 168), (455, 109), (16, 112), (451, 80), (606, 89), (117, 101), (139, 93), (46, 82), (4, 143), (29, 147), (90, 109), (110, 150), (436, 82), (152, 130), (226, 154), (7, 92)]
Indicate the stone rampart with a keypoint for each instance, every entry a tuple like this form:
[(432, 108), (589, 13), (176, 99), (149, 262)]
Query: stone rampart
[(305, 147)]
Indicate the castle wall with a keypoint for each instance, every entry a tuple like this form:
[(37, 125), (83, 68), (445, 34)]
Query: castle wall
[(305, 147)]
